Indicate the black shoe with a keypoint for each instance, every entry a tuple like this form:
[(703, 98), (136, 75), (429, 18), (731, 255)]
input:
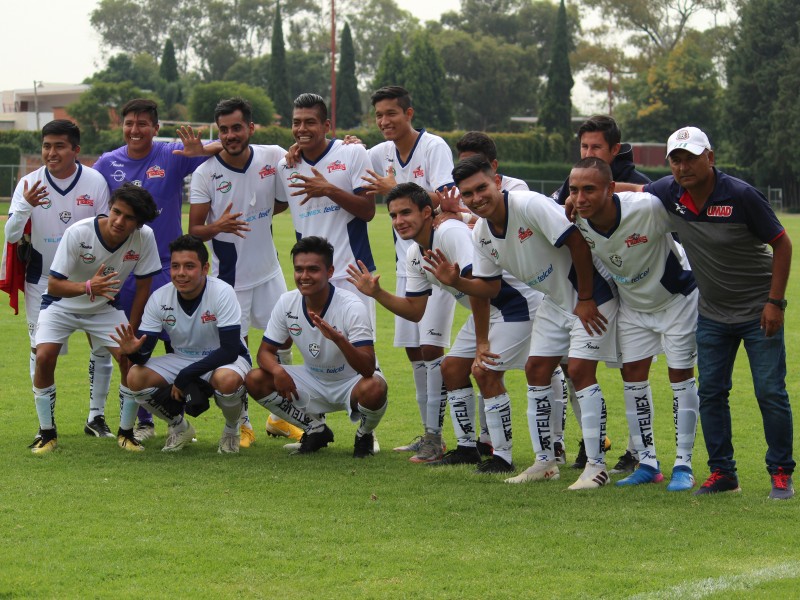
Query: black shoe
[(627, 464), (719, 481), (495, 465), (580, 460), (311, 442), (560, 455), (462, 455), (97, 427), (484, 448), (363, 446)]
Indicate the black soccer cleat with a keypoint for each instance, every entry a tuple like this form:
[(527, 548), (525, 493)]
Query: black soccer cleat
[(311, 442), (462, 455), (363, 446), (495, 465)]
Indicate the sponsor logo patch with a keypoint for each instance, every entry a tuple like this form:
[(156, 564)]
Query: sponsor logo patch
[(634, 239), (87, 257), (418, 172), (169, 320), (267, 171), (295, 329), (130, 255), (336, 166), (224, 187), (156, 172), (208, 317), (84, 200), (719, 211), (524, 235)]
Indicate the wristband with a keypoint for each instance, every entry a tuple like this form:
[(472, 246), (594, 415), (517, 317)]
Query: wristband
[(466, 217), (89, 290), (437, 210), (585, 299)]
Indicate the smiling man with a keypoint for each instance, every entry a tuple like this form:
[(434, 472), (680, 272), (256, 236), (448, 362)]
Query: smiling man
[(53, 197)]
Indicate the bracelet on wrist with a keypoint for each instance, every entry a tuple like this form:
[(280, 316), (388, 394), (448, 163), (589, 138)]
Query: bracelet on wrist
[(89, 290)]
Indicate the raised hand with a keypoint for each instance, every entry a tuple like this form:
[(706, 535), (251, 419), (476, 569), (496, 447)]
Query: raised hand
[(104, 285), (378, 184), (366, 283), (229, 222), (36, 195), (126, 339), (441, 268), (312, 187)]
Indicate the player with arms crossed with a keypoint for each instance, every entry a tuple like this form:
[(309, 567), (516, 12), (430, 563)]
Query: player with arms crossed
[(201, 315), (91, 262), (331, 328)]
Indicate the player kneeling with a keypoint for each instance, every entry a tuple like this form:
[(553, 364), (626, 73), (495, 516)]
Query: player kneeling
[(202, 317), (331, 328)]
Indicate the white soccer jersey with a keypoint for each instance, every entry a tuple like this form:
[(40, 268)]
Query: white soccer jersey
[(197, 335), (245, 262), (429, 165), (512, 184), (531, 249), (81, 196), (345, 166), (639, 252), (516, 301), (82, 251), (321, 357)]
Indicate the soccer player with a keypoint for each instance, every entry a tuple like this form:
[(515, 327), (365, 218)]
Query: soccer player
[(726, 226), (332, 329), (202, 316), (90, 264), (160, 168), (511, 314), (477, 142), (631, 235), (415, 155), (528, 235), (232, 205), (51, 198)]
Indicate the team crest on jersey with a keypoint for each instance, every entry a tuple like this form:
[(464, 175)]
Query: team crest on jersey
[(295, 329), (224, 187), (65, 216), (589, 241), (109, 270), (418, 172), (130, 255), (314, 350), (524, 234), (156, 172), (169, 320), (616, 259), (84, 200), (137, 182), (635, 239), (87, 257), (336, 165), (118, 176), (267, 171), (719, 211), (208, 317)]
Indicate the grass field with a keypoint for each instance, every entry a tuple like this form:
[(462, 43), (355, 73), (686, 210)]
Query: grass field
[(91, 520)]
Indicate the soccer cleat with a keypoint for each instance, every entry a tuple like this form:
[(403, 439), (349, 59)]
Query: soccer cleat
[(46, 441), (541, 470), (176, 440), (127, 441), (644, 474), (495, 464), (626, 464), (246, 436), (97, 427), (484, 448), (593, 477), (558, 450), (144, 430), (682, 479), (364, 446), (279, 428), (782, 488), (432, 449), (580, 459), (717, 482), (462, 455), (229, 442), (311, 442), (413, 446)]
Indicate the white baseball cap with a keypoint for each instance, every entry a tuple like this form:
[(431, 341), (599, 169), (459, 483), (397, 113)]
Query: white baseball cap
[(688, 138)]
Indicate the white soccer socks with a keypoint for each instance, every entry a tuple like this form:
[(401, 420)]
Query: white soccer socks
[(540, 409), (593, 423), (45, 400), (100, 369), (639, 412), (685, 409), (232, 406), (437, 396), (462, 413), (498, 421)]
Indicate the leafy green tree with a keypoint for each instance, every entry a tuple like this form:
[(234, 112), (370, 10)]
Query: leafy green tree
[(311, 72), (169, 65), (425, 80), (391, 66), (205, 97), (278, 85), (140, 69), (556, 112), (348, 103)]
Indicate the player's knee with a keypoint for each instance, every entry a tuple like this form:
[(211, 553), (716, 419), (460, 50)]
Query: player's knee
[(259, 383), (431, 352), (136, 379), (454, 372), (371, 392), (483, 377), (225, 381)]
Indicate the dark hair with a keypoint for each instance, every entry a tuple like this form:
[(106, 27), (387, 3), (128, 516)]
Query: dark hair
[(308, 100), (190, 243), (469, 166), (392, 92), (139, 199), (604, 124), (314, 244), (593, 162), (413, 192), (479, 143), (63, 127), (230, 106), (141, 106)]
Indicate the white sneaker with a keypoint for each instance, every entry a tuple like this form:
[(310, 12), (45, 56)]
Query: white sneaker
[(229, 442), (144, 431), (176, 440), (541, 470), (593, 477)]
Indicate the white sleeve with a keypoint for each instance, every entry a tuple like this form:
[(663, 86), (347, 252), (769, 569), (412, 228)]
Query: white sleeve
[(198, 190), (228, 311), (358, 326), (416, 283), (277, 329), (456, 243), (101, 208), (281, 189), (149, 262), (542, 214), (151, 319), (64, 259), (361, 163), (440, 163), (19, 211), (482, 264)]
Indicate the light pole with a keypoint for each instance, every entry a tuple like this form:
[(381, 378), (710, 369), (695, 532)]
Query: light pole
[(333, 68), (36, 102)]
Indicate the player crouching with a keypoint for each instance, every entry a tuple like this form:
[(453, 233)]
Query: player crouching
[(331, 328), (202, 317)]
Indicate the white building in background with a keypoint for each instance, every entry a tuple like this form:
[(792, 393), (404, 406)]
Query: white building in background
[(49, 101)]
